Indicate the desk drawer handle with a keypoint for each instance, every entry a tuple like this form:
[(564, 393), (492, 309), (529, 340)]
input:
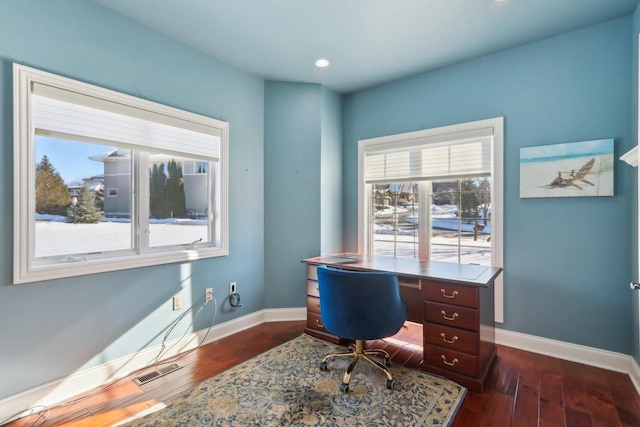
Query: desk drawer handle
[(444, 315), (318, 305), (452, 296), (451, 341), (452, 363), (319, 324)]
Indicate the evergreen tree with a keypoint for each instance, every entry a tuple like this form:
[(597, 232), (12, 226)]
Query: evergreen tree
[(157, 192), (99, 195), (52, 195), (483, 194), (85, 210), (166, 191), (469, 200), (176, 200)]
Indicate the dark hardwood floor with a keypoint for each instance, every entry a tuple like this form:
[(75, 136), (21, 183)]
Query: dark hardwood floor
[(525, 389)]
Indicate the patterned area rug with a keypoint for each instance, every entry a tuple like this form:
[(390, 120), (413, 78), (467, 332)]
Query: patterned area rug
[(285, 387)]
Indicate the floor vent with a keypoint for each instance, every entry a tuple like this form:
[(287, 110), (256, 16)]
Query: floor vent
[(143, 379)]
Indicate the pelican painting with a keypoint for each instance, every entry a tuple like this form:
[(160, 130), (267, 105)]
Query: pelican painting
[(567, 170)]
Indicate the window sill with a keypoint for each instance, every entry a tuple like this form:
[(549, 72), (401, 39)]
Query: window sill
[(80, 268)]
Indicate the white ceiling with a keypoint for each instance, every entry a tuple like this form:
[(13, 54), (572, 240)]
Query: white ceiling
[(367, 41)]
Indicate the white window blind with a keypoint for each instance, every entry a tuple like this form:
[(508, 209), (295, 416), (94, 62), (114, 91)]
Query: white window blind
[(429, 159), (59, 111)]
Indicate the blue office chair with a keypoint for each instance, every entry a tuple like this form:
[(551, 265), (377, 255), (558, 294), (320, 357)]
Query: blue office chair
[(360, 306)]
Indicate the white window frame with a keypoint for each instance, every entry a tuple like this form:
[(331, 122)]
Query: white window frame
[(26, 265), (494, 126)]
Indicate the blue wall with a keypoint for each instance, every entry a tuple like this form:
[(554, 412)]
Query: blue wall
[(331, 173), (566, 260), (303, 185), (52, 329), (292, 187)]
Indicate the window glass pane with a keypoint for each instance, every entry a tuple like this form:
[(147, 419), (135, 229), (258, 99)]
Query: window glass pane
[(178, 201), (72, 215), (395, 219), (407, 249), (445, 221), (468, 207), (202, 167), (445, 253), (461, 221), (475, 244), (475, 255)]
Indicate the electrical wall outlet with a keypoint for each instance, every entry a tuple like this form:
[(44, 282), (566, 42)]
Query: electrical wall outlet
[(177, 302), (208, 294), (233, 288)]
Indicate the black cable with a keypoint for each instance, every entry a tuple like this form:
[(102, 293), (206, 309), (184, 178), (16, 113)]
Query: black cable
[(234, 300), (42, 412), (172, 326), (215, 302)]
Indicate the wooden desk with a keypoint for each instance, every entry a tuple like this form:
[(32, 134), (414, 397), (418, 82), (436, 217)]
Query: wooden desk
[(453, 302)]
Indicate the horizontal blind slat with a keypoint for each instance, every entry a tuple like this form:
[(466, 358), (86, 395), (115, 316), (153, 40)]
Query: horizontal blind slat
[(75, 119), (185, 120), (429, 161)]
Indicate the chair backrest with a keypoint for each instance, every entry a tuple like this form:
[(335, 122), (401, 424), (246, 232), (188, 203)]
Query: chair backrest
[(360, 305)]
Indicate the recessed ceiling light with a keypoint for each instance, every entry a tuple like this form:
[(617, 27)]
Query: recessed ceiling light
[(322, 63)]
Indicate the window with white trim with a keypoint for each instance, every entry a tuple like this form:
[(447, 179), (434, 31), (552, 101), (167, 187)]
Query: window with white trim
[(164, 171), (434, 194)]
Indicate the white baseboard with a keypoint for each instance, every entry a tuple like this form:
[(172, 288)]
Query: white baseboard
[(60, 390), (634, 374), (610, 360), (285, 314)]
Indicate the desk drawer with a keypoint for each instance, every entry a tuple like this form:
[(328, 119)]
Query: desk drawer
[(451, 294), (313, 288), (451, 360), (313, 304), (451, 315), (314, 321), (451, 338), (312, 273)]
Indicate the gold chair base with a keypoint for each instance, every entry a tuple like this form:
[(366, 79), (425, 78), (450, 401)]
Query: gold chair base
[(358, 354)]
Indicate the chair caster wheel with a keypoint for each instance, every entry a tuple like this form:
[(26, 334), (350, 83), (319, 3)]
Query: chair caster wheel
[(390, 384), (324, 366), (344, 387), (387, 362)]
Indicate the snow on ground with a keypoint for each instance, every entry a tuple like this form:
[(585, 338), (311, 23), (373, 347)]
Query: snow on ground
[(181, 221), (443, 217), (402, 241), (55, 236)]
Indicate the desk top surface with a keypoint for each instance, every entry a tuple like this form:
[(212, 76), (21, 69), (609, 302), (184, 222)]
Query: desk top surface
[(461, 273)]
